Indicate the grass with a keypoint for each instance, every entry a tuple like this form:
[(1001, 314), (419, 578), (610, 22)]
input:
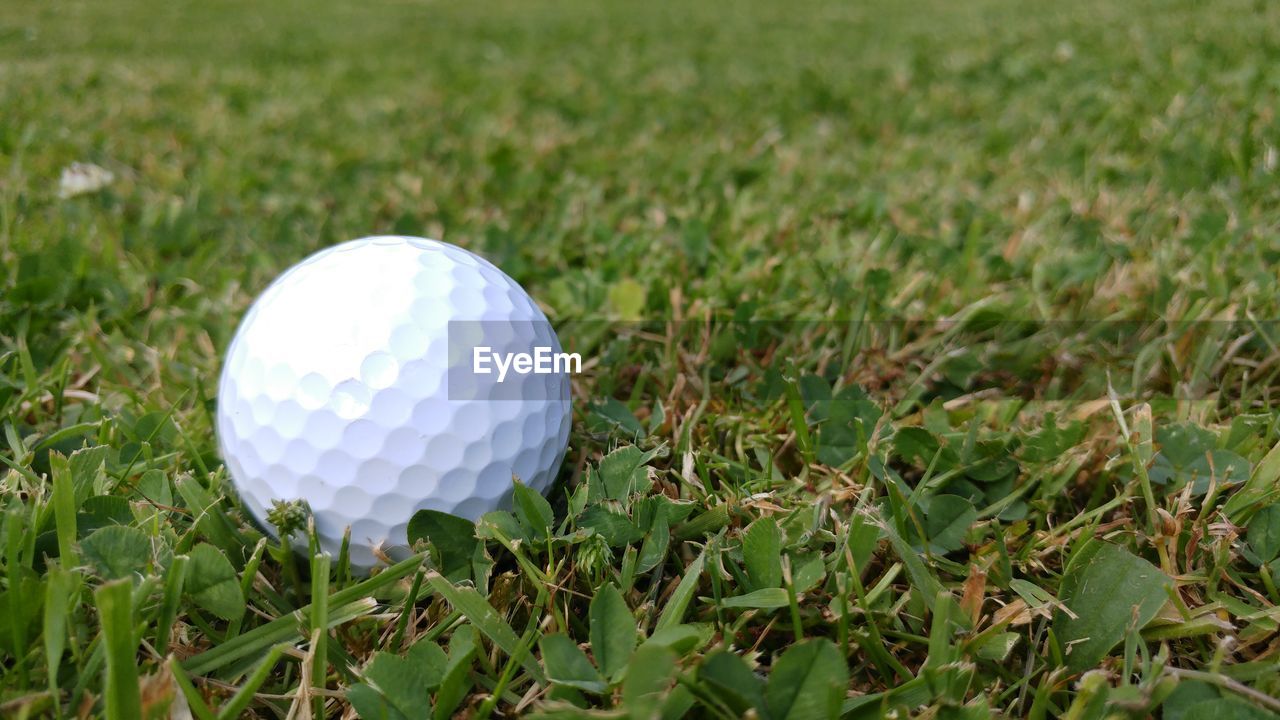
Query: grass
[(791, 490)]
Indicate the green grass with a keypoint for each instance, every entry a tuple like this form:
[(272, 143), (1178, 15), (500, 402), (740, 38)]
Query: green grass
[(790, 491)]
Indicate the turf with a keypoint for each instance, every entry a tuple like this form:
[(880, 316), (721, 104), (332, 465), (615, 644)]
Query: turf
[(931, 355)]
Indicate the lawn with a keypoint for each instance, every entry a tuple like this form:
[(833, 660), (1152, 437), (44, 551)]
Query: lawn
[(931, 355)]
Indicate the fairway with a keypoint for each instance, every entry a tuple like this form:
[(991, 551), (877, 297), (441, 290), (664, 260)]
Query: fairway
[(930, 356)]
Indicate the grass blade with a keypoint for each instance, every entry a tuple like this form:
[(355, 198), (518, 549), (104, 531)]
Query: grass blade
[(485, 618), (120, 677), (286, 628), (61, 587), (64, 508), (319, 625), (239, 702), (195, 701), (678, 603), (173, 583)]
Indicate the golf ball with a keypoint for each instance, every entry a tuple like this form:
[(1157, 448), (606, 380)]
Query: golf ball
[(365, 381)]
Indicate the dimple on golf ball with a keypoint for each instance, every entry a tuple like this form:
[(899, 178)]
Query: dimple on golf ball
[(364, 382)]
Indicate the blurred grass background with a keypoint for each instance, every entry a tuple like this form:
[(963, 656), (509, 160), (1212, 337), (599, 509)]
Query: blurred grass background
[(1092, 157), (809, 159)]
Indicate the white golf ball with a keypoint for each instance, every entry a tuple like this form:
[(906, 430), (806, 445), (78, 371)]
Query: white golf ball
[(352, 384)]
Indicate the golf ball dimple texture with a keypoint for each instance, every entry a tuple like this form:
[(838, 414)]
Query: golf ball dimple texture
[(349, 384)]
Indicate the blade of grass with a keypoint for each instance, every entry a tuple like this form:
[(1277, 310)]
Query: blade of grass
[(61, 587), (120, 677), (319, 626), (678, 603), (485, 618), (239, 702), (286, 628), (173, 583), (195, 701), (516, 660), (15, 526), (795, 406), (923, 581), (205, 514), (873, 644), (403, 623), (94, 656), (246, 584), (797, 626), (64, 508), (343, 573)]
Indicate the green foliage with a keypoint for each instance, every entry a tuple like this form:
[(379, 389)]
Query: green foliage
[(398, 687), (1188, 455), (238, 703), (846, 421), (1264, 533), (762, 553), (626, 298), (533, 511), (1197, 700), (1109, 592), (730, 681), (212, 583), (673, 613), (452, 538), (808, 681), (614, 527), (610, 414), (120, 674), (613, 632), (624, 472), (481, 614), (947, 520), (648, 688), (117, 551), (567, 665)]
